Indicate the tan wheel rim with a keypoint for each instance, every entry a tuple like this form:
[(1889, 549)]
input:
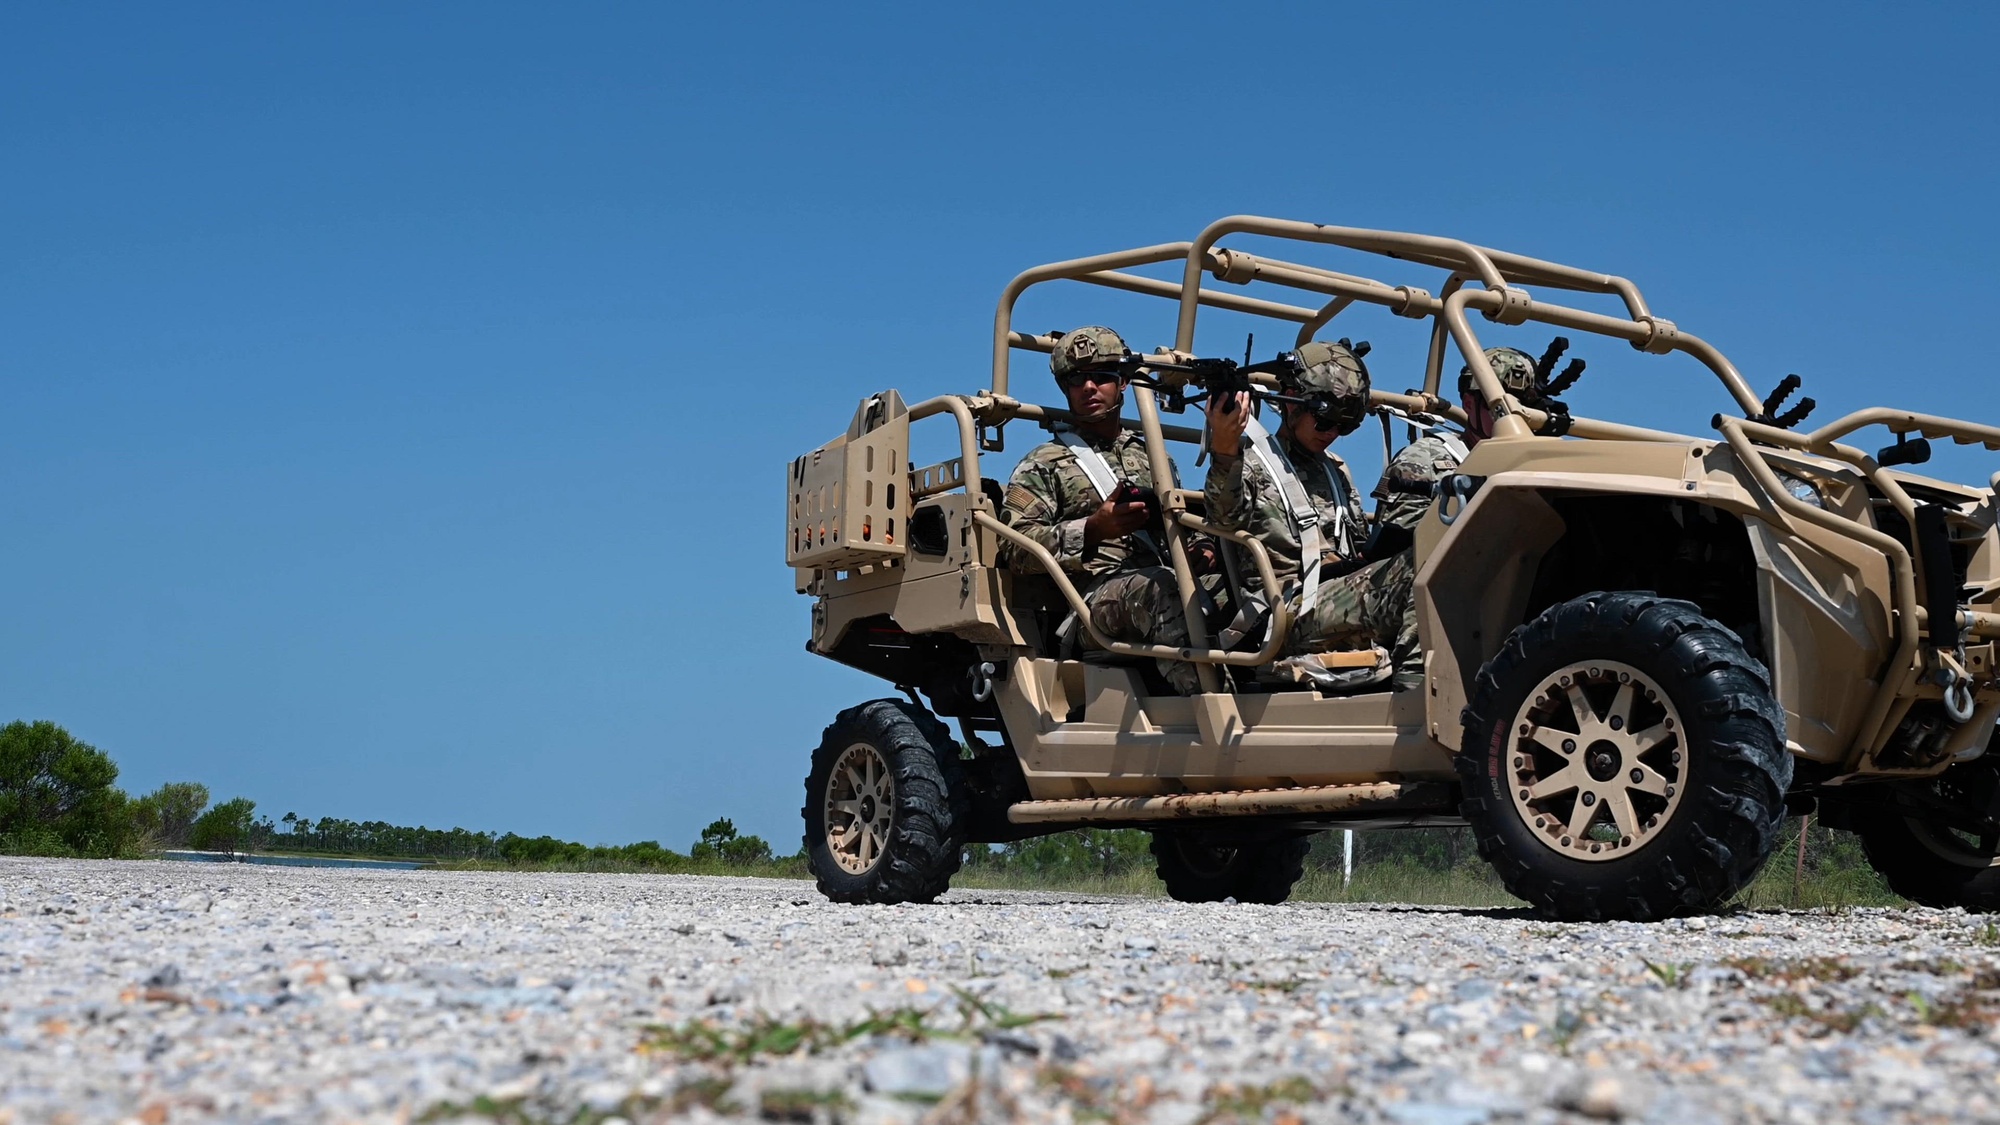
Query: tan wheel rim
[(1596, 760), (860, 798)]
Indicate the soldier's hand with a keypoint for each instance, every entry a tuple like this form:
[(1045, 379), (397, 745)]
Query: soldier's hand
[(1113, 520), (1227, 417), (1202, 557)]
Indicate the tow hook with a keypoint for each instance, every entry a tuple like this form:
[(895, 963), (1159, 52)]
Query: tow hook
[(1454, 493), (982, 682), (1957, 684)]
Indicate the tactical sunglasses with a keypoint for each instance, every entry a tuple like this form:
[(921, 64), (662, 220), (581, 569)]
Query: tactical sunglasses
[(1102, 375)]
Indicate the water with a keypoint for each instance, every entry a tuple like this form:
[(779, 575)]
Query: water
[(294, 860)]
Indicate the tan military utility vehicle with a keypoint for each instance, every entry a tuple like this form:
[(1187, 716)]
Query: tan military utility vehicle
[(1642, 648)]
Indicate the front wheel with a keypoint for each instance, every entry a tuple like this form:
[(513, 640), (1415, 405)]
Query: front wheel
[(1623, 757), (885, 805), (1198, 867)]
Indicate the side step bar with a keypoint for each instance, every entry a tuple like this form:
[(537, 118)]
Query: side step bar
[(1239, 802)]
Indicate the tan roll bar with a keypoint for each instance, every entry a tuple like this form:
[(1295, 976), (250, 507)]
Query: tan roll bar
[(1499, 295)]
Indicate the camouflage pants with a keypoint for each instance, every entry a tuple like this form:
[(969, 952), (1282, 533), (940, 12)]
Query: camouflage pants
[(1143, 606), (1375, 605)]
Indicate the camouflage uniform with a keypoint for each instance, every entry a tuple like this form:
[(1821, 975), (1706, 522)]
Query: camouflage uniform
[(1369, 606), (1241, 496), (1131, 590), (1409, 482)]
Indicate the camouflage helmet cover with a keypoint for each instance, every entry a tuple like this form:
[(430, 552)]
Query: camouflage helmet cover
[(1335, 371), (1515, 371), (1080, 349)]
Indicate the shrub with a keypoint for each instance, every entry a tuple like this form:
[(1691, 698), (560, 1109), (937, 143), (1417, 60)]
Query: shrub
[(57, 796), (720, 841), (226, 827)]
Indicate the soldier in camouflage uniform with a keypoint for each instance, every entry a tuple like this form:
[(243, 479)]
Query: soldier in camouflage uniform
[(1258, 485), (1103, 545), (1409, 481)]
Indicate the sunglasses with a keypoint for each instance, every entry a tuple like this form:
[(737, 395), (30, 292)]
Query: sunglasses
[(1079, 378)]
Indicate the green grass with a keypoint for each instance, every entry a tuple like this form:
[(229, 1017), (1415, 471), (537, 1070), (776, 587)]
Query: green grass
[(1407, 883)]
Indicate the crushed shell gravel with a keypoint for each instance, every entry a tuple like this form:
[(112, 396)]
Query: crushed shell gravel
[(158, 992)]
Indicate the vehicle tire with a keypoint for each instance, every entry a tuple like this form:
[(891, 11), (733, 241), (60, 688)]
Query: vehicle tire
[(886, 805), (1623, 758), (1196, 867), (1932, 864)]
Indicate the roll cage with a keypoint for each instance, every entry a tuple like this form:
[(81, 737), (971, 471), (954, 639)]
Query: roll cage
[(1478, 279)]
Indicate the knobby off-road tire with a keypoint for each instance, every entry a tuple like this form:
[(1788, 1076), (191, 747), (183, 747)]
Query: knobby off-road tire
[(886, 805), (1623, 758), (1197, 869), (1928, 863)]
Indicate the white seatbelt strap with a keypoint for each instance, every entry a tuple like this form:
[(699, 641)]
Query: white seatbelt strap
[(1423, 424), (1091, 462), (1101, 478), (1298, 505), (1343, 532)]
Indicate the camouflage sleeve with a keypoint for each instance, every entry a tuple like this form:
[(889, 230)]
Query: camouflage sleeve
[(1408, 483), (1224, 492), (1033, 507)]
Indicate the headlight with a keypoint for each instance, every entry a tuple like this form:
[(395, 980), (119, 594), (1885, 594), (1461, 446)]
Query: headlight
[(1802, 490)]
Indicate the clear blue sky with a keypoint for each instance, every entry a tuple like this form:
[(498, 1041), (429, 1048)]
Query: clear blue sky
[(395, 397)]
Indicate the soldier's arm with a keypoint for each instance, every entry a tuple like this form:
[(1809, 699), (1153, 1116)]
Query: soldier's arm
[(1405, 491), (1225, 493), (1034, 508)]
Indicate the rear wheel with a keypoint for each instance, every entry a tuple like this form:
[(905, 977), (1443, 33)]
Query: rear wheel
[(1929, 859), (1202, 867), (1623, 758), (885, 808)]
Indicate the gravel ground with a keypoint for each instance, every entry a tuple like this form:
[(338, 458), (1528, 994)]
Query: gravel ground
[(159, 992)]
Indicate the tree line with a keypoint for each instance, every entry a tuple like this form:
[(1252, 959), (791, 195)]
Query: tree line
[(59, 797)]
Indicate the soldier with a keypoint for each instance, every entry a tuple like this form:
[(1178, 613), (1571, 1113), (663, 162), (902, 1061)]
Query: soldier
[(1064, 495), (1291, 492), (1409, 481)]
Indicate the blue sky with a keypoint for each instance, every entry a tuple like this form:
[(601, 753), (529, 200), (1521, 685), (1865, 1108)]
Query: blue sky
[(395, 398)]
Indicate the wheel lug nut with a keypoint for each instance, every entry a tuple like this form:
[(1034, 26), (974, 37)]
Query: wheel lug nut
[(1617, 722), (1524, 794), (1589, 799), (1569, 745), (1638, 776), (1670, 790), (1565, 841)]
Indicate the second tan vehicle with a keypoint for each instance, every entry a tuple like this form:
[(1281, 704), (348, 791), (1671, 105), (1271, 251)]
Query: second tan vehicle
[(1642, 649)]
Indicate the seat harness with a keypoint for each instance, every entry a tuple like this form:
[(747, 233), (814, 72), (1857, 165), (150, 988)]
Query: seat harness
[(1299, 505), (1098, 471)]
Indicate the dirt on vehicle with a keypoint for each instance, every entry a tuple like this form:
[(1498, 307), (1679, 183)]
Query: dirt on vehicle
[(1641, 649)]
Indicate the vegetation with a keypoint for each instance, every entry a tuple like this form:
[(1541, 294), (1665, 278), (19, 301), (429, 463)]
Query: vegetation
[(57, 796), (166, 816), (225, 828)]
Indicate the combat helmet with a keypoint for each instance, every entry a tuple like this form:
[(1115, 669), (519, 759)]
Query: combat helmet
[(1085, 348), (1516, 373), (1333, 381)]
